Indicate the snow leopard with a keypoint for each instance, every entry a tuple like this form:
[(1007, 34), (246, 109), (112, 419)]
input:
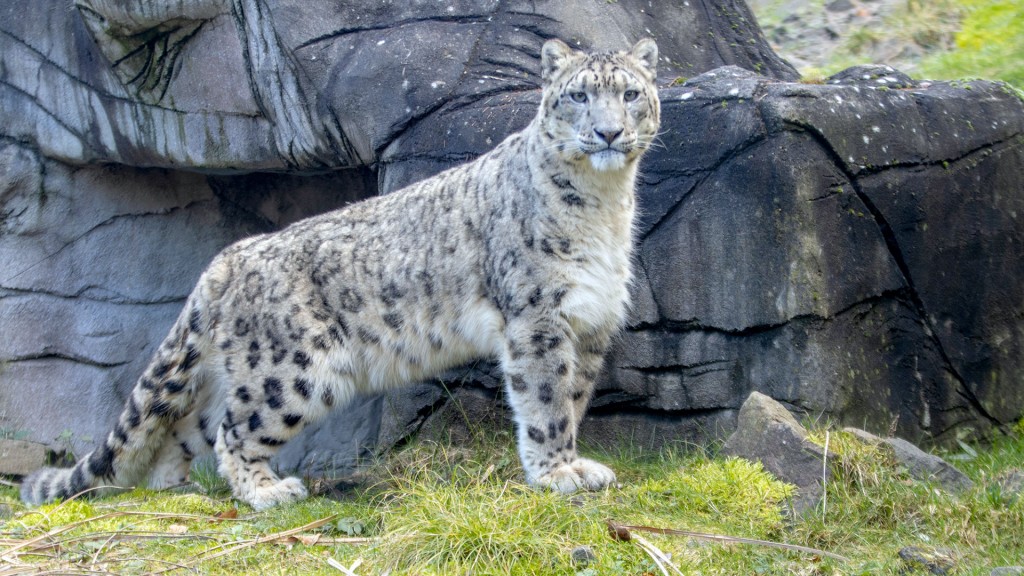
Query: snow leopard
[(522, 256)]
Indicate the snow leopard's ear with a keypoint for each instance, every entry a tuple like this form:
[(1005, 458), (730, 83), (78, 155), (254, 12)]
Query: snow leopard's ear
[(554, 57), (646, 52)]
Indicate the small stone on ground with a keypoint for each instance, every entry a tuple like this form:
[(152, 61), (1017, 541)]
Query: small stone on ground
[(583, 555), (920, 464), (1011, 485), (937, 561), (927, 467)]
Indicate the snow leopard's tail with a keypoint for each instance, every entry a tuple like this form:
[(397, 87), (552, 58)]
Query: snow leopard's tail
[(165, 392)]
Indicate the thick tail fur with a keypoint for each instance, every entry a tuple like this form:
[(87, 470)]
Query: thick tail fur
[(164, 394)]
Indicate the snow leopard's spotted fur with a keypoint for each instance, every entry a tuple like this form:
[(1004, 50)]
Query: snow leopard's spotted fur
[(521, 255)]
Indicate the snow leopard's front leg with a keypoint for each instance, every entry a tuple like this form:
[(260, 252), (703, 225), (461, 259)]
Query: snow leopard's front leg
[(590, 354), (540, 365)]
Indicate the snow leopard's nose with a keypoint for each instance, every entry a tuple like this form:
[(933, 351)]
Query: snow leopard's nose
[(608, 134)]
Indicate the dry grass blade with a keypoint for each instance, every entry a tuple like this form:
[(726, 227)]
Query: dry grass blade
[(339, 567), (15, 568), (660, 558), (129, 537), (43, 537), (319, 539), (349, 571), (619, 531), (292, 532), (275, 537), (71, 572), (111, 538), (170, 515), (178, 516), (171, 565), (7, 555), (95, 557), (46, 541), (824, 479)]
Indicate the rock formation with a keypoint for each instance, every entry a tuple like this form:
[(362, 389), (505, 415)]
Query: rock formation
[(767, 433), (849, 249)]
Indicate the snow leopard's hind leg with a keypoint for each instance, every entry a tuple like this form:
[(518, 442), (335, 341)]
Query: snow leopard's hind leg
[(262, 414), (270, 395), (184, 442), (163, 395)]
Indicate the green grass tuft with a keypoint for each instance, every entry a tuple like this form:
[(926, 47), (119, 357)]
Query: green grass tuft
[(989, 44)]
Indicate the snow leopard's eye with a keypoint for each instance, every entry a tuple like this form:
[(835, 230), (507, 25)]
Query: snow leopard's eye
[(630, 95), (578, 97)]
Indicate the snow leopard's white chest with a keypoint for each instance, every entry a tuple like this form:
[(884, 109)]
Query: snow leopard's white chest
[(600, 273)]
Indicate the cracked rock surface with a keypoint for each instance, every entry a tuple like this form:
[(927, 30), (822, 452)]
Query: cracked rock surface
[(851, 249)]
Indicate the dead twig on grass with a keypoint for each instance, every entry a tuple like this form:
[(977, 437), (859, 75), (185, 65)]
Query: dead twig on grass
[(38, 545), (11, 550), (290, 536), (6, 554), (621, 532)]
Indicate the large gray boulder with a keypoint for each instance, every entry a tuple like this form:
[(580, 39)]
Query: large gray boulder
[(851, 250)]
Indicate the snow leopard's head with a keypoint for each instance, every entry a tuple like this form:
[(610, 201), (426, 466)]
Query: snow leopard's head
[(601, 108)]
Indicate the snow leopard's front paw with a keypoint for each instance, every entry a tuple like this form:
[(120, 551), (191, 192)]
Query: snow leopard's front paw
[(578, 474), (280, 492)]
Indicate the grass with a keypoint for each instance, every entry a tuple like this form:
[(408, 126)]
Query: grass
[(934, 39), (437, 509), (989, 44)]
